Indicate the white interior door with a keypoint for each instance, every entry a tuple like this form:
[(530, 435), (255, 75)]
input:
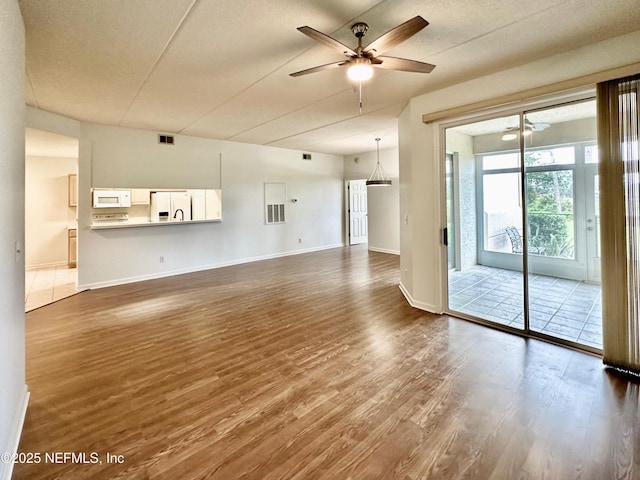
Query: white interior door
[(358, 228), (592, 214)]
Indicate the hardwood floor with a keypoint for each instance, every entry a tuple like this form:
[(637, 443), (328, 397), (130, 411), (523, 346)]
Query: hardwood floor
[(311, 366)]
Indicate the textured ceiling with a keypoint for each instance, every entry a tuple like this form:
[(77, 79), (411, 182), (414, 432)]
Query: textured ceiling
[(220, 68)]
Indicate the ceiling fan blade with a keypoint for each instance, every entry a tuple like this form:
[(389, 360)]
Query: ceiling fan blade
[(327, 40), (535, 126), (318, 68), (539, 126), (396, 36), (403, 64)]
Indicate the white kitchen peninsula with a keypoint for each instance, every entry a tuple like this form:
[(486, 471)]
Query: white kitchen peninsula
[(157, 207)]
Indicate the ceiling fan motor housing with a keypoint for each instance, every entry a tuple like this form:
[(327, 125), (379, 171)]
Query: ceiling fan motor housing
[(359, 29)]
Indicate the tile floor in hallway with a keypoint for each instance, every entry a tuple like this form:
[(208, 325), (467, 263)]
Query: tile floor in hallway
[(565, 309), (46, 285)]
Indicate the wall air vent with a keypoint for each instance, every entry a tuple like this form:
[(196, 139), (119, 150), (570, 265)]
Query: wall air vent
[(275, 195), (165, 139), (306, 156), (275, 213)]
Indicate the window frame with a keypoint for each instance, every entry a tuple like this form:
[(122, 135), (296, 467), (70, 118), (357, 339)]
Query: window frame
[(555, 266)]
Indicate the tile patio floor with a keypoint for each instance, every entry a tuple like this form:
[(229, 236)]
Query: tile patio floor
[(566, 309)]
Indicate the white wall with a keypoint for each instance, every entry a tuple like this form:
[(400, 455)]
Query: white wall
[(13, 391), (421, 154), (107, 257), (47, 211), (406, 205), (383, 203), (421, 275), (51, 122)]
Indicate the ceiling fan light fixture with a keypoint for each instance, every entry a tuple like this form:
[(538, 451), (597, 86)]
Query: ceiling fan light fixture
[(361, 59), (360, 70), (512, 133)]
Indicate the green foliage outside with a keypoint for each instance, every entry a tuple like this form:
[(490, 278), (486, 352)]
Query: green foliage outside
[(550, 210)]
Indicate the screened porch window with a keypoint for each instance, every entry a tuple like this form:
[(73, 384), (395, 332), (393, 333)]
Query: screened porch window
[(551, 179)]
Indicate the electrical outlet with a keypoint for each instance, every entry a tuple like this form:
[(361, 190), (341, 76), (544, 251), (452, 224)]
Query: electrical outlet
[(299, 240), (161, 258)]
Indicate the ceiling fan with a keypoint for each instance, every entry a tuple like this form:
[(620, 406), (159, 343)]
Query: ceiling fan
[(511, 133), (361, 59)]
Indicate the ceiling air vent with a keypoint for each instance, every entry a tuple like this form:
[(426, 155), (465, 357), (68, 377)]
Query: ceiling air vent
[(165, 139), (306, 156)]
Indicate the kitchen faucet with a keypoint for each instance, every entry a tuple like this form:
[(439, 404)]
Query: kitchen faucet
[(175, 215)]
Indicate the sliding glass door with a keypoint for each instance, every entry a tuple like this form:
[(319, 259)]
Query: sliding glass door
[(485, 278), (561, 199), (527, 229)]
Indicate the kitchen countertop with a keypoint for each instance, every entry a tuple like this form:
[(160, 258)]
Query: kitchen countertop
[(132, 224)]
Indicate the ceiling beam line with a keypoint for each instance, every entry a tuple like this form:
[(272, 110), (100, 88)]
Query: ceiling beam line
[(163, 52), (331, 124)]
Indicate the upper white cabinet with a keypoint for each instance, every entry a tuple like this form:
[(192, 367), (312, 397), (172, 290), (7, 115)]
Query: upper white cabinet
[(140, 196)]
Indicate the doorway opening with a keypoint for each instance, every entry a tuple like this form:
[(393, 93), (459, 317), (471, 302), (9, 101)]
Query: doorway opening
[(51, 166)]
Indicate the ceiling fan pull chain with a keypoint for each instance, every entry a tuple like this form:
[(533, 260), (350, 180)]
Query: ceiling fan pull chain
[(360, 89)]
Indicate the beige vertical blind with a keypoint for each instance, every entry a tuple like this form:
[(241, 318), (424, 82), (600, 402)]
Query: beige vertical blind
[(619, 170)]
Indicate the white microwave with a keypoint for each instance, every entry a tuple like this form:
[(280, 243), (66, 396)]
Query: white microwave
[(111, 198)]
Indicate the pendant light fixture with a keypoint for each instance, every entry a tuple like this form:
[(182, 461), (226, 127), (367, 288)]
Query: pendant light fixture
[(378, 177)]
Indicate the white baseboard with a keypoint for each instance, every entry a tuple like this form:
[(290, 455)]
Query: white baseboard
[(6, 469), (384, 250), (45, 265), (171, 273), (427, 307)]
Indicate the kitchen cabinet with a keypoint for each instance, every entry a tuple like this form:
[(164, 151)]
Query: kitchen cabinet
[(140, 196), (72, 179), (205, 205), (151, 207), (72, 255)]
